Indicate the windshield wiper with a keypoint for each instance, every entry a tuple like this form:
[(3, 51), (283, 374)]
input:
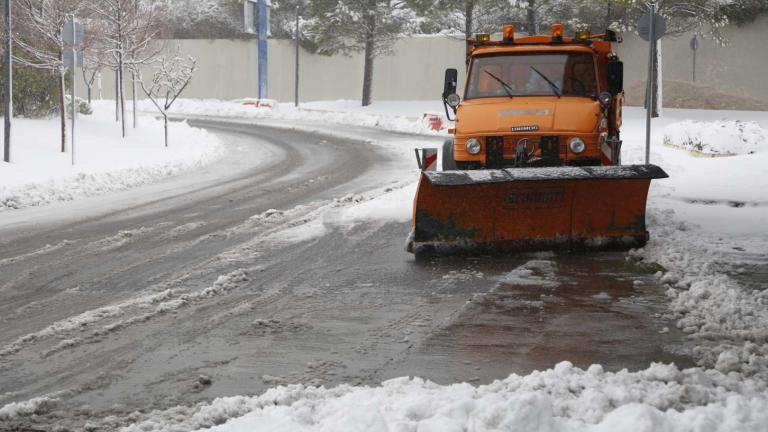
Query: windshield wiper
[(507, 88), (555, 88)]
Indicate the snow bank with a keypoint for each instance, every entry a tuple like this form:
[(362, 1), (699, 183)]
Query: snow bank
[(725, 319), (564, 398), (717, 137), (27, 408), (40, 174), (393, 116)]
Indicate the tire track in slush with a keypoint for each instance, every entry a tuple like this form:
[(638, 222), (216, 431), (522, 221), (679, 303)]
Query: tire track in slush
[(267, 230)]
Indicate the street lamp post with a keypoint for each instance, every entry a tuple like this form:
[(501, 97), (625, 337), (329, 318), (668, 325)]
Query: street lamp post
[(263, 22), (8, 91), (296, 88)]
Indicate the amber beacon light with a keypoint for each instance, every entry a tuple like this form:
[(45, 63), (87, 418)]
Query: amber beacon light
[(509, 33), (557, 31)]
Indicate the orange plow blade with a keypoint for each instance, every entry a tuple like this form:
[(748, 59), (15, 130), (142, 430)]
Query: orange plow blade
[(532, 209)]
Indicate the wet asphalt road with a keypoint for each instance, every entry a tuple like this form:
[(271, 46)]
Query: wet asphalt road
[(126, 305)]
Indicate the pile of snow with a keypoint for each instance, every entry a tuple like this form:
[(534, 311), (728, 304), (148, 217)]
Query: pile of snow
[(394, 116), (717, 137), (41, 174), (707, 224), (565, 398), (27, 408), (726, 320), (535, 272)]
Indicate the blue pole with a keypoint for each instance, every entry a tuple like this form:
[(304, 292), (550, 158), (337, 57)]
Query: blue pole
[(263, 23)]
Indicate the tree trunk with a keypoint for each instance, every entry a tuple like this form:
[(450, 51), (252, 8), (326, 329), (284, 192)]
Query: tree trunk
[(63, 111), (531, 21), (122, 94), (133, 96), (117, 95), (658, 80), (469, 17), (165, 118), (370, 55), (88, 84)]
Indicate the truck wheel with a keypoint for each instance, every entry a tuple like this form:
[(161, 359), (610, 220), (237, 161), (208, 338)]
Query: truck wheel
[(449, 164)]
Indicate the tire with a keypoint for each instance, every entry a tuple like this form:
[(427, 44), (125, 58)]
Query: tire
[(449, 163)]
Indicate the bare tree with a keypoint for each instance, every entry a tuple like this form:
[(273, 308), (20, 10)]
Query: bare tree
[(171, 77), (94, 55), (40, 37), (130, 28), (91, 72)]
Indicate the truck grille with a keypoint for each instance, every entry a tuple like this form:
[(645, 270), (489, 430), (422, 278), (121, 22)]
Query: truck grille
[(500, 150)]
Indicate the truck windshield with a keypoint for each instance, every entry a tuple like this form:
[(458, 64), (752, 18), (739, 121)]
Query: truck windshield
[(572, 74)]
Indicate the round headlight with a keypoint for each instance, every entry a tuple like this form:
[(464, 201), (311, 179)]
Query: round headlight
[(577, 145), (453, 100), (473, 146), (606, 99)]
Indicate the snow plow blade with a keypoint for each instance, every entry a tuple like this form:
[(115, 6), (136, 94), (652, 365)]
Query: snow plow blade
[(527, 209)]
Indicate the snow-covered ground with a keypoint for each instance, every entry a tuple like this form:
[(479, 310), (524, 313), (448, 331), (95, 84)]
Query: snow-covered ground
[(717, 138), (706, 221), (564, 398), (707, 224), (104, 162)]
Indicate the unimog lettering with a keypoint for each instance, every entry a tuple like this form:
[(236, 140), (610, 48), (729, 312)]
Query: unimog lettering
[(535, 198)]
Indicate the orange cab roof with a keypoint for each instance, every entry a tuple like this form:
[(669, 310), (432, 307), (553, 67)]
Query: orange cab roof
[(527, 48)]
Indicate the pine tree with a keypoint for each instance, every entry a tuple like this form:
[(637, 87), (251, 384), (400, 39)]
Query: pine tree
[(367, 26)]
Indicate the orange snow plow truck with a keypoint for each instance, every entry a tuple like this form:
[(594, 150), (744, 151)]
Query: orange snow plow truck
[(534, 162)]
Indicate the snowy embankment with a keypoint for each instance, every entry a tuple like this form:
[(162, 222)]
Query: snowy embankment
[(707, 224), (718, 138), (104, 162), (395, 116), (661, 398)]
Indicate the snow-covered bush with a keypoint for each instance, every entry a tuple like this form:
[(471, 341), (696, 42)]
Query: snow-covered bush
[(83, 107), (718, 137)]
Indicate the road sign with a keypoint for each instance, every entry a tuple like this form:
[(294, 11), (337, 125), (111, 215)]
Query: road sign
[(69, 59), (73, 37), (644, 26), (694, 43)]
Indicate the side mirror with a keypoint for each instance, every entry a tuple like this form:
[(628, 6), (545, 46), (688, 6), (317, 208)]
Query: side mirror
[(615, 77), (451, 81)]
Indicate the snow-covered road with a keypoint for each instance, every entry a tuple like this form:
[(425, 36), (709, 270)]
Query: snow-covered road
[(283, 264)]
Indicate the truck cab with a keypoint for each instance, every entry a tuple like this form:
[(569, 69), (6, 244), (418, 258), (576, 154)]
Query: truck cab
[(536, 101)]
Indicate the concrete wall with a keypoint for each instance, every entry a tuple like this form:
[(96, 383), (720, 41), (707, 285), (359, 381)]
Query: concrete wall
[(738, 68), (228, 68)]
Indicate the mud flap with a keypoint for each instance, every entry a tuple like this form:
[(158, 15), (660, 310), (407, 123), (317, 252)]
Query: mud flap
[(533, 208)]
